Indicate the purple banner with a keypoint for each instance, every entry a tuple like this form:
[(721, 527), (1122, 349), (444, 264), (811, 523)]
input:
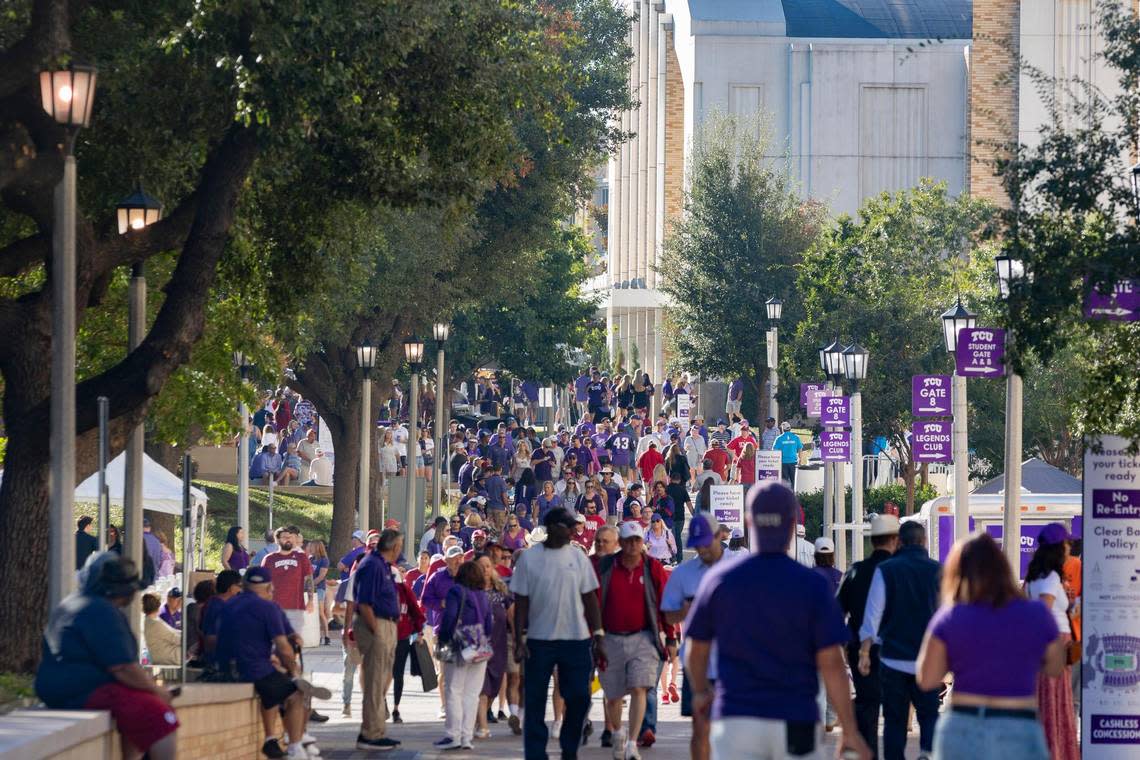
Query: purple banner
[(835, 445), (1115, 729), (930, 395), (806, 389), (1122, 304), (931, 441), (1116, 503), (981, 352), (945, 536), (835, 411), (1029, 535), (815, 401)]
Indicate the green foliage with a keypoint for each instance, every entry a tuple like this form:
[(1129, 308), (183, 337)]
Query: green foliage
[(883, 279), (874, 499), (1072, 223), (738, 243)]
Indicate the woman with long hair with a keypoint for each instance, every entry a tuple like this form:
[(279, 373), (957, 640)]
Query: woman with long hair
[(514, 536), (467, 616), (426, 456), (235, 556), (389, 459), (623, 393), (746, 464), (166, 567), (704, 497), (998, 645), (114, 540), (500, 599), (520, 463), (319, 559), (642, 392), (662, 504), (546, 501), (1054, 692), (659, 541)]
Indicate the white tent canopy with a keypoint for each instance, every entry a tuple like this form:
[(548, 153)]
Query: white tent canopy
[(162, 489)]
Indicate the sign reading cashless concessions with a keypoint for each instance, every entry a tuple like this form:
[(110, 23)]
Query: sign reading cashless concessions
[(1110, 602)]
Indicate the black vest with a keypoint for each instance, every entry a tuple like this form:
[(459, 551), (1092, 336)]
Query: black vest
[(855, 587), (911, 579)]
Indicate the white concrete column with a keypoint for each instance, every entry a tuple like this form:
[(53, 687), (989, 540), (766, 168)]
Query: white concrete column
[(633, 244), (643, 144), (651, 109), (665, 23)]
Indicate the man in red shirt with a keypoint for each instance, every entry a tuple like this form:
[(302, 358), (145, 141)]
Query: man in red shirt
[(649, 460), (583, 533), (633, 624), (293, 588), (720, 458), (737, 443)]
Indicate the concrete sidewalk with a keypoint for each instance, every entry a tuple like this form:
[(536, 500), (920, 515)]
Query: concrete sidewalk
[(421, 726)]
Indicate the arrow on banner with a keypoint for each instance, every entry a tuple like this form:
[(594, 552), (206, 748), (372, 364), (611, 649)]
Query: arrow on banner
[(935, 409), (985, 370), (1117, 312)]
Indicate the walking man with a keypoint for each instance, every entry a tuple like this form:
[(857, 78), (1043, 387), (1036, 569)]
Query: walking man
[(554, 587), (675, 602), (902, 599), (852, 596), (777, 629), (377, 611), (789, 445), (631, 584)]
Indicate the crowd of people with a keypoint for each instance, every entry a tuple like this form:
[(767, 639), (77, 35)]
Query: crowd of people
[(564, 563)]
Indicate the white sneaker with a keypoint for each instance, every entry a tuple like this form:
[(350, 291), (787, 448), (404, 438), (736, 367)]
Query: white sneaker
[(308, 739), (297, 751), (441, 714), (346, 712), (313, 750), (466, 745), (631, 751), (619, 744), (556, 729)]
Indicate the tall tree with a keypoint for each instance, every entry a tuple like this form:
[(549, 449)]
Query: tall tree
[(883, 279), (1074, 222), (245, 117), (743, 230)]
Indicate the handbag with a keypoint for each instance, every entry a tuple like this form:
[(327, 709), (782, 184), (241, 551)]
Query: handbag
[(422, 662), (468, 644)]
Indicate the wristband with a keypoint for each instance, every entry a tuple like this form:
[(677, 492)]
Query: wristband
[(600, 633)]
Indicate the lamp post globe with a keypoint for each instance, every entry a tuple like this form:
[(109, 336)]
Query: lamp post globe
[(775, 309), (440, 330), (855, 362), (954, 320), (1134, 178), (366, 356), (833, 358), (137, 210), (1009, 270), (67, 95), (413, 351)]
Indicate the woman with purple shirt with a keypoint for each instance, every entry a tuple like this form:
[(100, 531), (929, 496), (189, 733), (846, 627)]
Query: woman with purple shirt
[(467, 610), (996, 643), (234, 555)]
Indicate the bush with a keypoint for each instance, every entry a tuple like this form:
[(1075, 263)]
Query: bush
[(874, 499)]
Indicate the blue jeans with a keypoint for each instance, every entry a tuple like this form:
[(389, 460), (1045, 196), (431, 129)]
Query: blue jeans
[(899, 692), (972, 737), (650, 720), (575, 664)]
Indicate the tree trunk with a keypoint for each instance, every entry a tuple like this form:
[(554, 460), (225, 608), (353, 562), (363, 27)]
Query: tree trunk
[(346, 466), (925, 474)]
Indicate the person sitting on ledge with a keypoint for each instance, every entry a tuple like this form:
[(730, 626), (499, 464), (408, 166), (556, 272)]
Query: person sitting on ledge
[(90, 660)]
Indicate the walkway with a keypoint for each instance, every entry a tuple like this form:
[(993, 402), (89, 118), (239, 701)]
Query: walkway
[(421, 727)]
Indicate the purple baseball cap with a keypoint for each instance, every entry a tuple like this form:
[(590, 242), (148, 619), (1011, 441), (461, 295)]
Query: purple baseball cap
[(1053, 533), (773, 508)]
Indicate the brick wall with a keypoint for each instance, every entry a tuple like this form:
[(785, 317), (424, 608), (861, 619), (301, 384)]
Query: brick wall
[(219, 722), (674, 133), (993, 93)]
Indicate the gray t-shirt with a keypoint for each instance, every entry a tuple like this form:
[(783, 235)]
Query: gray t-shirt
[(554, 581)]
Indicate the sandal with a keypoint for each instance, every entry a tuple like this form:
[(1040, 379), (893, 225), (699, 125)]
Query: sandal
[(673, 693)]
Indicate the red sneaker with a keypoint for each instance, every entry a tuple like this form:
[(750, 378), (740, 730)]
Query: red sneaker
[(647, 738), (673, 693)]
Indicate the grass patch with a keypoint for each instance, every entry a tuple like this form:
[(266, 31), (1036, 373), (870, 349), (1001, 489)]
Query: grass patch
[(15, 691)]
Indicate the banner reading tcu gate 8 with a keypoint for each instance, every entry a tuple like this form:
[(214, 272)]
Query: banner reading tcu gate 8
[(1110, 667)]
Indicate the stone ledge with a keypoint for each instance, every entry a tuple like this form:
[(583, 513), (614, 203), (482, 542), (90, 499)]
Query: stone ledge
[(32, 734), (212, 693)]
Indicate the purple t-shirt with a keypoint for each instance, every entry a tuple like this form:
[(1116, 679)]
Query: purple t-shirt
[(580, 384), (995, 652), (621, 446), (766, 649)]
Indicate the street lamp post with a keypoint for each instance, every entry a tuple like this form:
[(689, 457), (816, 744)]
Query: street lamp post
[(833, 356), (442, 407), (66, 95), (855, 359), (135, 212), (243, 368), (828, 467), (414, 353), (366, 360), (954, 320), (1009, 271), (775, 309)]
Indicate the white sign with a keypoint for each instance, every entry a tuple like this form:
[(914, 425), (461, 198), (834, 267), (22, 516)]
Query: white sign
[(1110, 606), (684, 408), (546, 397), (767, 465), (727, 503)]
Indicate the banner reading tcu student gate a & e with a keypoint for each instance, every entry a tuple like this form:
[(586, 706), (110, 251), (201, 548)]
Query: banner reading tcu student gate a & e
[(1110, 668)]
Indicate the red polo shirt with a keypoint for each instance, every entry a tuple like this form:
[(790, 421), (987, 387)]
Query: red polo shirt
[(625, 600), (719, 459)]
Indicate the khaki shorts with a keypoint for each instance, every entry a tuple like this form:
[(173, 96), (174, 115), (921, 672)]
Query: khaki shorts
[(632, 663), (512, 663)]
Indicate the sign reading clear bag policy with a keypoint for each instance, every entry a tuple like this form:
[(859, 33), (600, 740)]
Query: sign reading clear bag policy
[(1110, 667)]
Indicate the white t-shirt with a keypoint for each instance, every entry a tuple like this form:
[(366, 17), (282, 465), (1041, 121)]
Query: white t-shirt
[(554, 581), (1051, 584)]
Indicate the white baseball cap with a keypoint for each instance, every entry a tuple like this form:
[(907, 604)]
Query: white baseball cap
[(824, 545), (631, 529), (453, 551), (884, 525)]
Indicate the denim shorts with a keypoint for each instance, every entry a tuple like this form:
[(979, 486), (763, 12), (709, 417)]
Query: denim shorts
[(958, 736)]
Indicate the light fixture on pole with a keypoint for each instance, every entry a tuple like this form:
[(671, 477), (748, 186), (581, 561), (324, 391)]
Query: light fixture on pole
[(954, 320), (442, 407), (1009, 272), (414, 354), (855, 359), (67, 95), (832, 356), (135, 212), (241, 363), (775, 308), (1134, 177), (366, 360), (828, 467)]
